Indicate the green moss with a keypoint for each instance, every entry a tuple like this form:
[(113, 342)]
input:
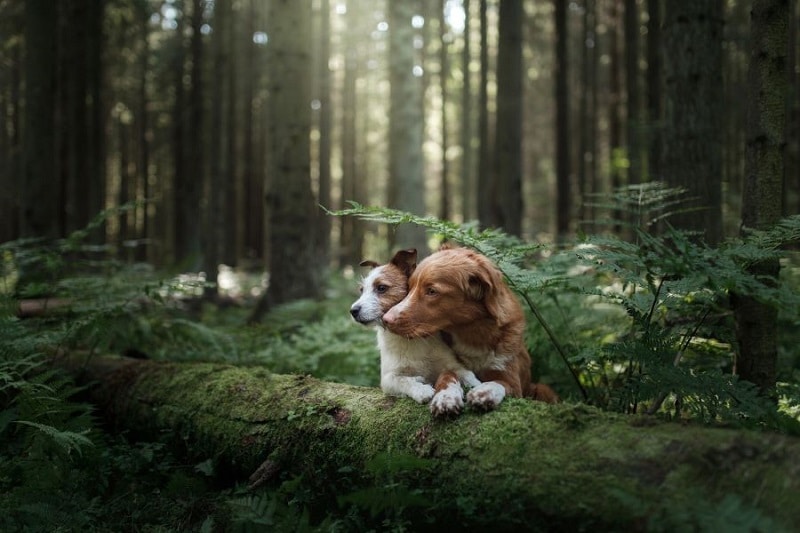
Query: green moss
[(568, 466)]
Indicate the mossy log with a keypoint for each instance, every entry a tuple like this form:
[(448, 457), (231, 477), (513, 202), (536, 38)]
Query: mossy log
[(527, 465)]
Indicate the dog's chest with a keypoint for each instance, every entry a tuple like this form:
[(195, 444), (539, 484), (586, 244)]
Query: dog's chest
[(473, 357)]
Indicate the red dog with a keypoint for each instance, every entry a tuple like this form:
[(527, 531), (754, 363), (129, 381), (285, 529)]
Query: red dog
[(463, 294)]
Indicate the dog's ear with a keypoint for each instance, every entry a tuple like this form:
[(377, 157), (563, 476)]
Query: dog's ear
[(371, 264), (484, 285), (478, 285), (405, 260)]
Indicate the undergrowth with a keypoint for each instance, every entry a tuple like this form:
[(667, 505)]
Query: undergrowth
[(635, 325), (643, 325)]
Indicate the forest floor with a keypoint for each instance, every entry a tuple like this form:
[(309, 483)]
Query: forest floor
[(62, 468)]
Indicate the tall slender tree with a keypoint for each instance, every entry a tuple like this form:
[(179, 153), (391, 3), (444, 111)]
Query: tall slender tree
[(654, 84), (444, 74), (406, 179), (40, 190), (614, 97), (294, 272), (179, 218), (220, 181), (144, 252), (756, 322), (11, 178), (587, 112), (484, 199), (692, 140), (792, 170), (507, 167), (562, 98), (325, 129), (351, 230), (633, 124), (466, 132), (253, 180)]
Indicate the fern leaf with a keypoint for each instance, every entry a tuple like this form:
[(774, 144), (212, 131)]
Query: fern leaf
[(68, 440)]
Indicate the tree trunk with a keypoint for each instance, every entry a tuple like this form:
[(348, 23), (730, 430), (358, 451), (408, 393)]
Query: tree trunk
[(406, 179), (353, 188), (507, 171), (444, 73), (190, 176), (562, 94), (10, 178), (145, 252), (527, 465), (293, 270), (325, 132), (587, 173), (692, 137), (41, 202), (484, 181), (219, 180), (466, 132), (180, 176), (756, 323), (614, 101), (654, 108), (631, 30), (232, 184), (253, 179)]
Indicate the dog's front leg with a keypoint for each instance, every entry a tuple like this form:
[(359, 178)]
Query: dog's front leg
[(449, 397), (412, 386)]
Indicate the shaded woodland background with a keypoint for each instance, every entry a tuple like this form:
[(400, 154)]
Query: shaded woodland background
[(639, 157), (230, 123)]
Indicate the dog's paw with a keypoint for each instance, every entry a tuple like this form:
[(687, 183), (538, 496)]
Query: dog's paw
[(448, 401), (421, 392), (486, 396)]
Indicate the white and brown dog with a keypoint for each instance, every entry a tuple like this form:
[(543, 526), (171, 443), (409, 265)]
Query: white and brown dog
[(410, 367), (463, 294)]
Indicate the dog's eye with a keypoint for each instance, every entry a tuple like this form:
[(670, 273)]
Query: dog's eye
[(430, 291), (380, 289)]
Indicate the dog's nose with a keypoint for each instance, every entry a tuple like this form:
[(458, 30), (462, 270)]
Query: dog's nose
[(389, 317), (355, 310)]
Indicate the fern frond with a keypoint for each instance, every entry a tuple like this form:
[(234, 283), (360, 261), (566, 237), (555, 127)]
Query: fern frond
[(69, 441)]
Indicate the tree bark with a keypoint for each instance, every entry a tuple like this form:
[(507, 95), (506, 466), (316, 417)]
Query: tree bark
[(507, 167), (40, 198), (527, 465), (293, 267), (406, 161), (467, 130), (654, 84), (692, 137), (564, 199), (324, 195), (484, 181), (614, 99), (756, 322), (444, 74), (354, 186), (631, 32)]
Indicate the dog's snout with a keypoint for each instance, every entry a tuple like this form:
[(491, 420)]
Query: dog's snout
[(390, 317), (355, 310)]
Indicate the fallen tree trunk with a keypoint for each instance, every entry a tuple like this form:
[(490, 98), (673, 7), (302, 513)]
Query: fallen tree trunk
[(527, 465)]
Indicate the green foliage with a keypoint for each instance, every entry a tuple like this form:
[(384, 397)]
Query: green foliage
[(641, 325), (58, 470)]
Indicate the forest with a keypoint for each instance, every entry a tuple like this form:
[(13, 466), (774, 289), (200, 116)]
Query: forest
[(188, 188)]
